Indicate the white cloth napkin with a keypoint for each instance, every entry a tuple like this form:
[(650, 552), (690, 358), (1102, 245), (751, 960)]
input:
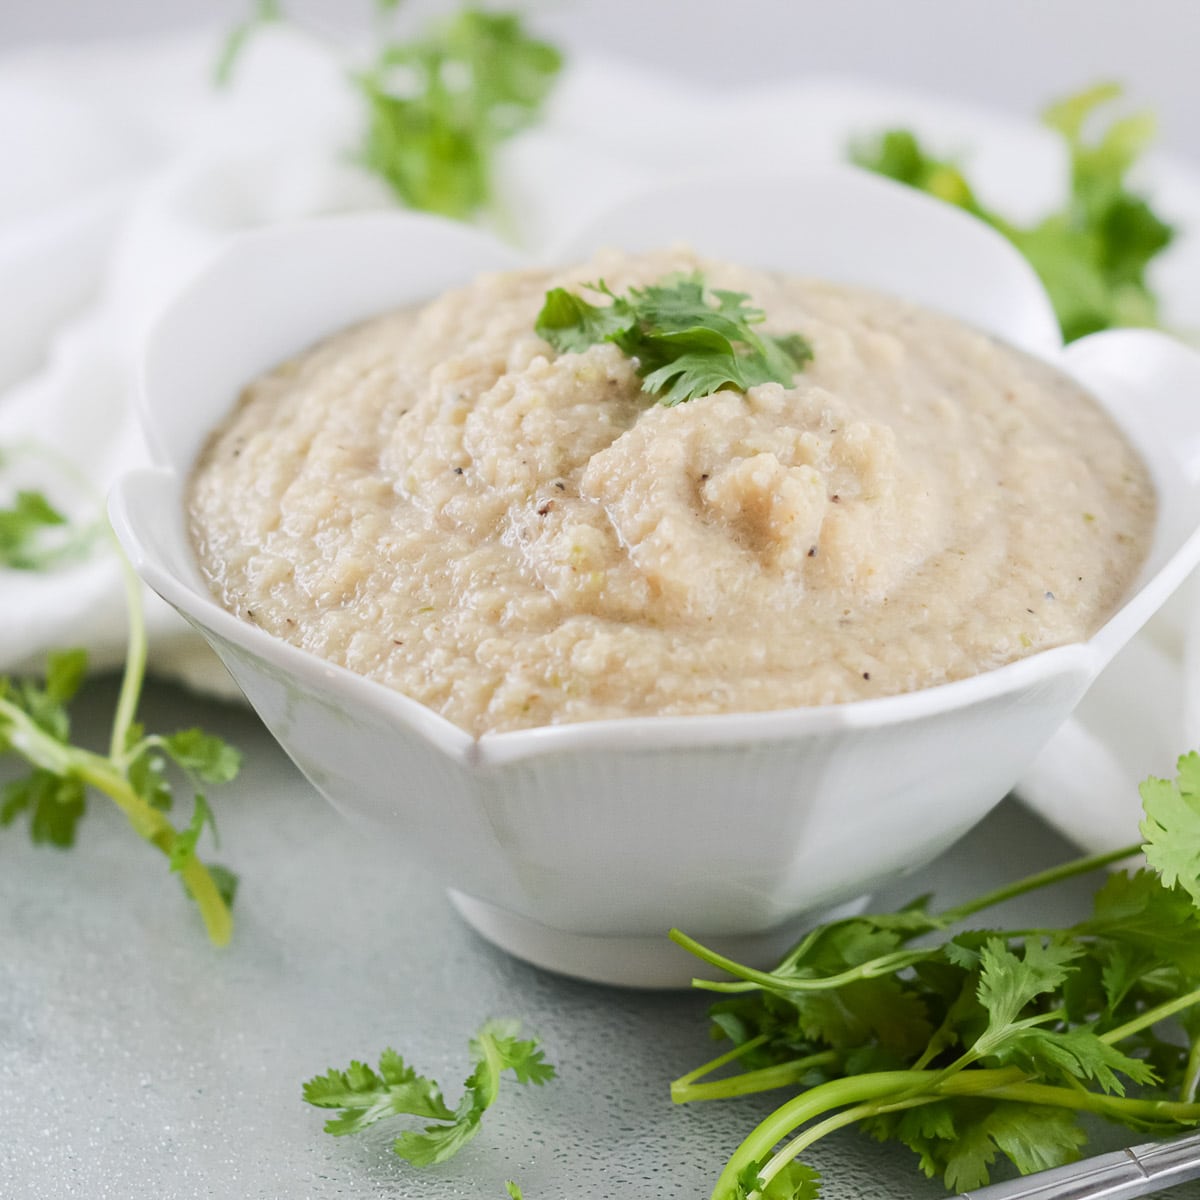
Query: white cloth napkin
[(126, 169)]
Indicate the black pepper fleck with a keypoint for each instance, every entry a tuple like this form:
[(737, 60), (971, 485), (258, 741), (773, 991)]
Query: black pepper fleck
[(562, 487), (1049, 595), (812, 552), (545, 508), (836, 498), (866, 674), (458, 470)]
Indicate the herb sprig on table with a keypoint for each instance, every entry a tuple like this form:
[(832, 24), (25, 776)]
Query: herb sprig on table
[(366, 1096), (35, 725), (438, 104), (1092, 254), (968, 1045), (688, 341)]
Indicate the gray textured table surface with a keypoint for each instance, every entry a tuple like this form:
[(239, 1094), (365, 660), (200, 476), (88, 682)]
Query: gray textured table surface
[(138, 1064)]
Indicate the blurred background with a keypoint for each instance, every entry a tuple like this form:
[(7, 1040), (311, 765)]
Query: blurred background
[(1011, 54)]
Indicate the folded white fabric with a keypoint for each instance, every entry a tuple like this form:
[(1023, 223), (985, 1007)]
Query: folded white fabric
[(126, 169)]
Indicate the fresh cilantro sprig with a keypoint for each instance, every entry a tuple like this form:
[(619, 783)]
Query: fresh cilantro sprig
[(35, 725), (972, 1045), (366, 1096), (1092, 254), (688, 341), (439, 104)]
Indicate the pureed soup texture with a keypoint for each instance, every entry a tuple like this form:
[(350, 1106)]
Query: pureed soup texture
[(516, 536)]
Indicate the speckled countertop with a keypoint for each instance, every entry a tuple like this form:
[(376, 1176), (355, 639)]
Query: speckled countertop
[(138, 1064)]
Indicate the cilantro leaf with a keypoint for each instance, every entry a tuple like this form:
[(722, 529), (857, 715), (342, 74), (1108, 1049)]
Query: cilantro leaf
[(688, 342), (204, 755), (35, 536), (65, 673), (366, 1096), (1033, 1137), (54, 805), (1148, 923), (1008, 983), (923, 1130), (1092, 254), (1172, 826), (1076, 1054), (147, 775), (21, 525), (438, 107), (570, 324), (226, 883), (46, 703)]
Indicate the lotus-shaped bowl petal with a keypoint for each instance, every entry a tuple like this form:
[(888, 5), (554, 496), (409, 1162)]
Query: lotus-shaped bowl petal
[(578, 846)]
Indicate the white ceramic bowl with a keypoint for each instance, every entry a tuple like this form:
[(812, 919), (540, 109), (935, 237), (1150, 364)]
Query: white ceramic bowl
[(578, 846)]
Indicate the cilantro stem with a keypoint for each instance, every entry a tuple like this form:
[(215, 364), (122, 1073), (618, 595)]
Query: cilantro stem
[(854, 1090), (685, 1089), (1116, 1108), (1191, 1074), (1150, 1017), (156, 829), (885, 964), (135, 657), (1078, 866), (848, 1116), (150, 824)]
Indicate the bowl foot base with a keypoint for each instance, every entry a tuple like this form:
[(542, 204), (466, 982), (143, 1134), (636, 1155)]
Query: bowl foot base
[(632, 961)]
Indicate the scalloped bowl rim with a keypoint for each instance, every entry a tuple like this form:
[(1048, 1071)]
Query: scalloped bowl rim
[(638, 732)]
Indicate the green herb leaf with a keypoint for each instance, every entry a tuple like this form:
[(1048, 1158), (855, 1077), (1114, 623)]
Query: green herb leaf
[(36, 536), (1172, 826), (1093, 253), (570, 324), (439, 106), (1008, 983), (688, 342), (53, 804), (366, 1096), (205, 755), (21, 525), (226, 883), (65, 673), (1033, 1138), (795, 1181)]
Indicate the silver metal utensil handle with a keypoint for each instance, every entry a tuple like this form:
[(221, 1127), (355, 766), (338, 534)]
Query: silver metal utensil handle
[(1122, 1175)]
